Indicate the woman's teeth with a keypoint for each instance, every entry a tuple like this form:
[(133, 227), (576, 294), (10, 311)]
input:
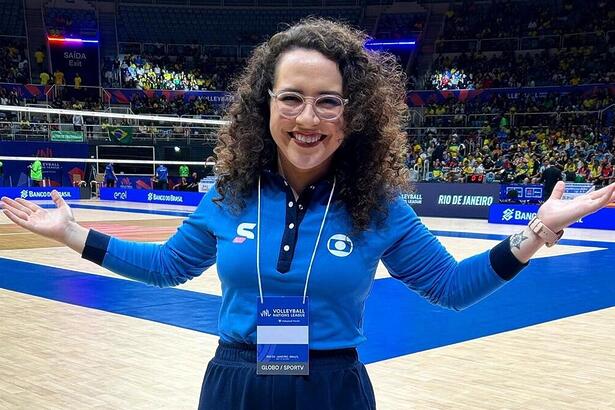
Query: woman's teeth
[(307, 139)]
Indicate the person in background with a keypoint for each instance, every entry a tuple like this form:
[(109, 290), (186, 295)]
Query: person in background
[(162, 177), (110, 177), (58, 77), (184, 171), (77, 81), (39, 57), (194, 183), (36, 173), (44, 77), (549, 178), (77, 122), (182, 186)]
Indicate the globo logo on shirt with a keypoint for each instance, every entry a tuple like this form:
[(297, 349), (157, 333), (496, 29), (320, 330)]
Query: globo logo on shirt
[(340, 245)]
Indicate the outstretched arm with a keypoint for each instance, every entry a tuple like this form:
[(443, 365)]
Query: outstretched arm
[(59, 225), (419, 260), (190, 251), (557, 214)]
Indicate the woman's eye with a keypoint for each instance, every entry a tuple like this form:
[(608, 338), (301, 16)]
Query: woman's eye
[(290, 99), (329, 102)]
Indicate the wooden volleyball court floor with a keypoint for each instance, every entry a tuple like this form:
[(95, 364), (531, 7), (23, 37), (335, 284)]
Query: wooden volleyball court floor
[(76, 336)]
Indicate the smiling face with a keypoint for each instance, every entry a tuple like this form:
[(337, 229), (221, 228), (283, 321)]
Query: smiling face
[(306, 143)]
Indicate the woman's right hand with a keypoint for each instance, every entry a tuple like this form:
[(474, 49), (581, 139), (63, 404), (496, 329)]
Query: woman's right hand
[(58, 224)]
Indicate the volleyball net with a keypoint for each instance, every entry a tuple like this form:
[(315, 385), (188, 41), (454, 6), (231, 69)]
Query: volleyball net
[(76, 147)]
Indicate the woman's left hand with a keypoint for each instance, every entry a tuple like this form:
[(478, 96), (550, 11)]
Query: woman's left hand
[(557, 214)]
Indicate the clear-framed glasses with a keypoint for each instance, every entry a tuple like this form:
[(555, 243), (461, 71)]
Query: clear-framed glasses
[(327, 107)]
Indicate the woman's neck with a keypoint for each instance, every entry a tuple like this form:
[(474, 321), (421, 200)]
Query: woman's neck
[(299, 179)]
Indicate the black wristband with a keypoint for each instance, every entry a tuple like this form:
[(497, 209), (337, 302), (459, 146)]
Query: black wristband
[(95, 247)]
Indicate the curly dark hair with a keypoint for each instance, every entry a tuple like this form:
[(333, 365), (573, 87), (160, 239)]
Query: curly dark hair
[(369, 165)]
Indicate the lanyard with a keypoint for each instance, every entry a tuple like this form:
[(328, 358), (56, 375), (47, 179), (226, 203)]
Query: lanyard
[(258, 241)]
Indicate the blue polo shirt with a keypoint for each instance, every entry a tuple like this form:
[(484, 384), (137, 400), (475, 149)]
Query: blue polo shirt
[(343, 268), (109, 175), (162, 173)]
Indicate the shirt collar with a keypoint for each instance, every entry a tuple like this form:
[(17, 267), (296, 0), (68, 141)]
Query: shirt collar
[(321, 189)]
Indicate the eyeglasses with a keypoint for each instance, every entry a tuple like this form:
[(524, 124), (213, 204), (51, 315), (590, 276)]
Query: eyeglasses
[(327, 107)]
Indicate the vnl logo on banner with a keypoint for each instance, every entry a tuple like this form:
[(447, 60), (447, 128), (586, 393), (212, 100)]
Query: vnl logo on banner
[(511, 214), (39, 193)]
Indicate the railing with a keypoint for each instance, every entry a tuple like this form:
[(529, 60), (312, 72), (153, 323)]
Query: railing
[(212, 50), (68, 92), (525, 43), (519, 119), (24, 130)]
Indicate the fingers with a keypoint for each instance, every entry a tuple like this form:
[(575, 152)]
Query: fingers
[(17, 217), (30, 205), (57, 199), (558, 190), (601, 197), (606, 191), (18, 207)]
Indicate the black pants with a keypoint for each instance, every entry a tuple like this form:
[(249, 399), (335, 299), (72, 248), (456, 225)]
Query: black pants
[(337, 381)]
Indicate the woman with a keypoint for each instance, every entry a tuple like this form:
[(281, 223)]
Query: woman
[(307, 202)]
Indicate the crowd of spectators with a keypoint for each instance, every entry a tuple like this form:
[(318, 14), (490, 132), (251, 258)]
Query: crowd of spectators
[(524, 107), (568, 38), (584, 65), (583, 154), (507, 18), (14, 61), (162, 72)]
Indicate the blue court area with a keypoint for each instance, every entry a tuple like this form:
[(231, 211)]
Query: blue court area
[(397, 322)]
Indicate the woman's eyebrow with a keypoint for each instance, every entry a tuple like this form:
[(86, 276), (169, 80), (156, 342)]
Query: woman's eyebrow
[(296, 90)]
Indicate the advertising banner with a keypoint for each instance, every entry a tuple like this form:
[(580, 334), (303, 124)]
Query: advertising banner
[(39, 193), (453, 200), (154, 197), (421, 98), (217, 99), (512, 214), (57, 173), (67, 136)]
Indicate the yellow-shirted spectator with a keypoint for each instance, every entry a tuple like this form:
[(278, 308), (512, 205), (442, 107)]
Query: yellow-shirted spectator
[(58, 77), (39, 57), (468, 169), (77, 81), (594, 170), (453, 149), (44, 78)]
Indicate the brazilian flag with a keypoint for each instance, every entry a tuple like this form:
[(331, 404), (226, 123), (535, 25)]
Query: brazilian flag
[(119, 134)]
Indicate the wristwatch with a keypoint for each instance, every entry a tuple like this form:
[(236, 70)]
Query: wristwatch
[(543, 232)]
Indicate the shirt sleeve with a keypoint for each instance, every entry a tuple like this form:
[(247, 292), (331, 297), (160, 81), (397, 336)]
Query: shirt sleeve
[(189, 252), (420, 261)]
